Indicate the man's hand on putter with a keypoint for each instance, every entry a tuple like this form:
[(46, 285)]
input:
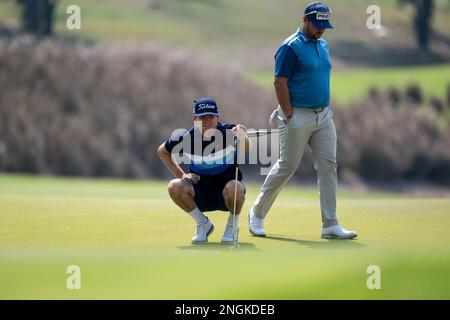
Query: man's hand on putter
[(240, 131), (191, 176)]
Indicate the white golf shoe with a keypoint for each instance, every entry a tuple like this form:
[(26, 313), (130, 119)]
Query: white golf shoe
[(203, 232), (337, 232), (256, 225), (228, 234)]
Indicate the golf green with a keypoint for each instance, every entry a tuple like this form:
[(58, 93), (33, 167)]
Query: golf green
[(131, 242)]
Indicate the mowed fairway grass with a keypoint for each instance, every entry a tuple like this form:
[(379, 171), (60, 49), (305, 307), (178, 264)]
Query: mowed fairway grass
[(132, 242)]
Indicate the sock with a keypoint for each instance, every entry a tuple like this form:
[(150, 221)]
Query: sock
[(230, 220), (198, 216)]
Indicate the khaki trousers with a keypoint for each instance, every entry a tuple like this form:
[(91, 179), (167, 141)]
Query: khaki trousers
[(317, 132)]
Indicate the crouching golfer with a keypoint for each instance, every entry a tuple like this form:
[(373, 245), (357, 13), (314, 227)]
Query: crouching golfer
[(209, 148)]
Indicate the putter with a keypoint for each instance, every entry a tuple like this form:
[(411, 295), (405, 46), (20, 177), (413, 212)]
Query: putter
[(235, 240)]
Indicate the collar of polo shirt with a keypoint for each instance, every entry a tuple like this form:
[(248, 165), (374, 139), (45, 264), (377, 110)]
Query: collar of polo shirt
[(303, 36)]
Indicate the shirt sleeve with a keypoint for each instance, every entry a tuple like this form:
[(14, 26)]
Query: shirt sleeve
[(285, 60), (176, 138)]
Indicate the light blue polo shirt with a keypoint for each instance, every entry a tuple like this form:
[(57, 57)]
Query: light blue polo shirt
[(307, 64)]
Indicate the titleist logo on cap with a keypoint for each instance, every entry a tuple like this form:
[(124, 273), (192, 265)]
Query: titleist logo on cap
[(205, 106)]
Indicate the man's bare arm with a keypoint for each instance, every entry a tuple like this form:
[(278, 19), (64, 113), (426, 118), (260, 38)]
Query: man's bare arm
[(284, 99), (166, 159)]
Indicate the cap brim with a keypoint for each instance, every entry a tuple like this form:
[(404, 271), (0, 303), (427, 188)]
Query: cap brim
[(205, 113), (323, 24)]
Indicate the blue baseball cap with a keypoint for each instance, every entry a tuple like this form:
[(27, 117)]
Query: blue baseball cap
[(319, 14), (205, 106)]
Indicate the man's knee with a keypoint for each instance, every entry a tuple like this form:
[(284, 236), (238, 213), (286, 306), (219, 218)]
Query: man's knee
[(228, 191), (326, 166), (177, 187), (287, 166)]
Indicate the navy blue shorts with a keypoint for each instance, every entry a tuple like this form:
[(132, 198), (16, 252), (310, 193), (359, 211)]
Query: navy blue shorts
[(209, 192)]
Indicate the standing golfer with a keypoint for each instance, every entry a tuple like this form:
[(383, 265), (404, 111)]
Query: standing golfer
[(302, 85), (211, 184)]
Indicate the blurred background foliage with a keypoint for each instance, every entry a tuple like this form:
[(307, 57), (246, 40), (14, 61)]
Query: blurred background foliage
[(99, 100)]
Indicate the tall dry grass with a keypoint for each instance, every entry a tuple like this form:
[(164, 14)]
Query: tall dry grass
[(89, 110), (76, 109)]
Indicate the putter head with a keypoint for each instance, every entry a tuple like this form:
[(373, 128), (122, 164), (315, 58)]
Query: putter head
[(234, 245)]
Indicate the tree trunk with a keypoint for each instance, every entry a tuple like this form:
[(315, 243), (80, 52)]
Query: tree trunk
[(37, 16), (422, 22)]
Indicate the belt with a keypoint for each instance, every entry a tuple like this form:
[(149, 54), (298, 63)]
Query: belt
[(316, 110)]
